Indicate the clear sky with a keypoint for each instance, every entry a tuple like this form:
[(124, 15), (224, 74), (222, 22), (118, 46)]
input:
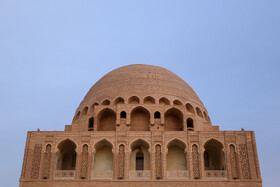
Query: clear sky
[(52, 52)]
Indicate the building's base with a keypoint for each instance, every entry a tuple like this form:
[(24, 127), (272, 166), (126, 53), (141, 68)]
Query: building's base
[(195, 183)]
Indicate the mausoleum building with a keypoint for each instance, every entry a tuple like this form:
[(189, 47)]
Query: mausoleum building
[(141, 125)]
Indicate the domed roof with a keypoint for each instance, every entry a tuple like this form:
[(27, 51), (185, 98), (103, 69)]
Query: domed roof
[(141, 81)]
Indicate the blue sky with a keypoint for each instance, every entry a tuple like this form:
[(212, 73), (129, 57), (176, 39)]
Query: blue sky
[(52, 52)]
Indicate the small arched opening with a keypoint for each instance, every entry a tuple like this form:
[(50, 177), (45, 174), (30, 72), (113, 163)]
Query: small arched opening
[(190, 124), (123, 115), (85, 110), (140, 119), (91, 124), (173, 120), (106, 120), (157, 115), (177, 102), (106, 102)]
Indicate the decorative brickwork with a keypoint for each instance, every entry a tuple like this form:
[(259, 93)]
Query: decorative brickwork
[(121, 162), (195, 158), (244, 159), (84, 162), (36, 161), (47, 162), (158, 162), (233, 162)]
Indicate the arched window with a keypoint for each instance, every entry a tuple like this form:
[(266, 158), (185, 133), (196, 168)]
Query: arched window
[(139, 160), (123, 114), (190, 124), (91, 124), (157, 115)]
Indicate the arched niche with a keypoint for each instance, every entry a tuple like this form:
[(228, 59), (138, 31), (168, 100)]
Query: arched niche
[(140, 119), (134, 100), (77, 116), (164, 101), (85, 110), (190, 124), (106, 102), (149, 100), (198, 112), (177, 102), (93, 107), (119, 100), (214, 157), (176, 155), (190, 108), (173, 120), (139, 156), (91, 124), (106, 120), (66, 155), (103, 156)]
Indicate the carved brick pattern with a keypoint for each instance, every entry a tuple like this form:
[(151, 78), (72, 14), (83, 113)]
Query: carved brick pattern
[(158, 162), (121, 162), (194, 138), (233, 162), (36, 161), (244, 159), (84, 162), (47, 162), (195, 159)]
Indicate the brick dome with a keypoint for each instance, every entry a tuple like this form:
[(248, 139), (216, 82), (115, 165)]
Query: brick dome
[(141, 81)]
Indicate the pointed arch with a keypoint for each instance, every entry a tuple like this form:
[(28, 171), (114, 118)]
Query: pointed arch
[(140, 155), (106, 102), (190, 124), (77, 116), (177, 102), (176, 156), (214, 157), (91, 110), (66, 156), (190, 108), (140, 119), (106, 120), (198, 112), (149, 100), (164, 101), (173, 120), (119, 100), (134, 100), (85, 111)]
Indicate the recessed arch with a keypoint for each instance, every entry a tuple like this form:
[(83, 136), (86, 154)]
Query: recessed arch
[(198, 112), (149, 100), (103, 156), (77, 116), (106, 120), (214, 157), (93, 106), (173, 120), (85, 110), (140, 155), (106, 102), (66, 155), (176, 155), (119, 100), (134, 100), (91, 124), (140, 119), (177, 102), (190, 108), (164, 101)]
